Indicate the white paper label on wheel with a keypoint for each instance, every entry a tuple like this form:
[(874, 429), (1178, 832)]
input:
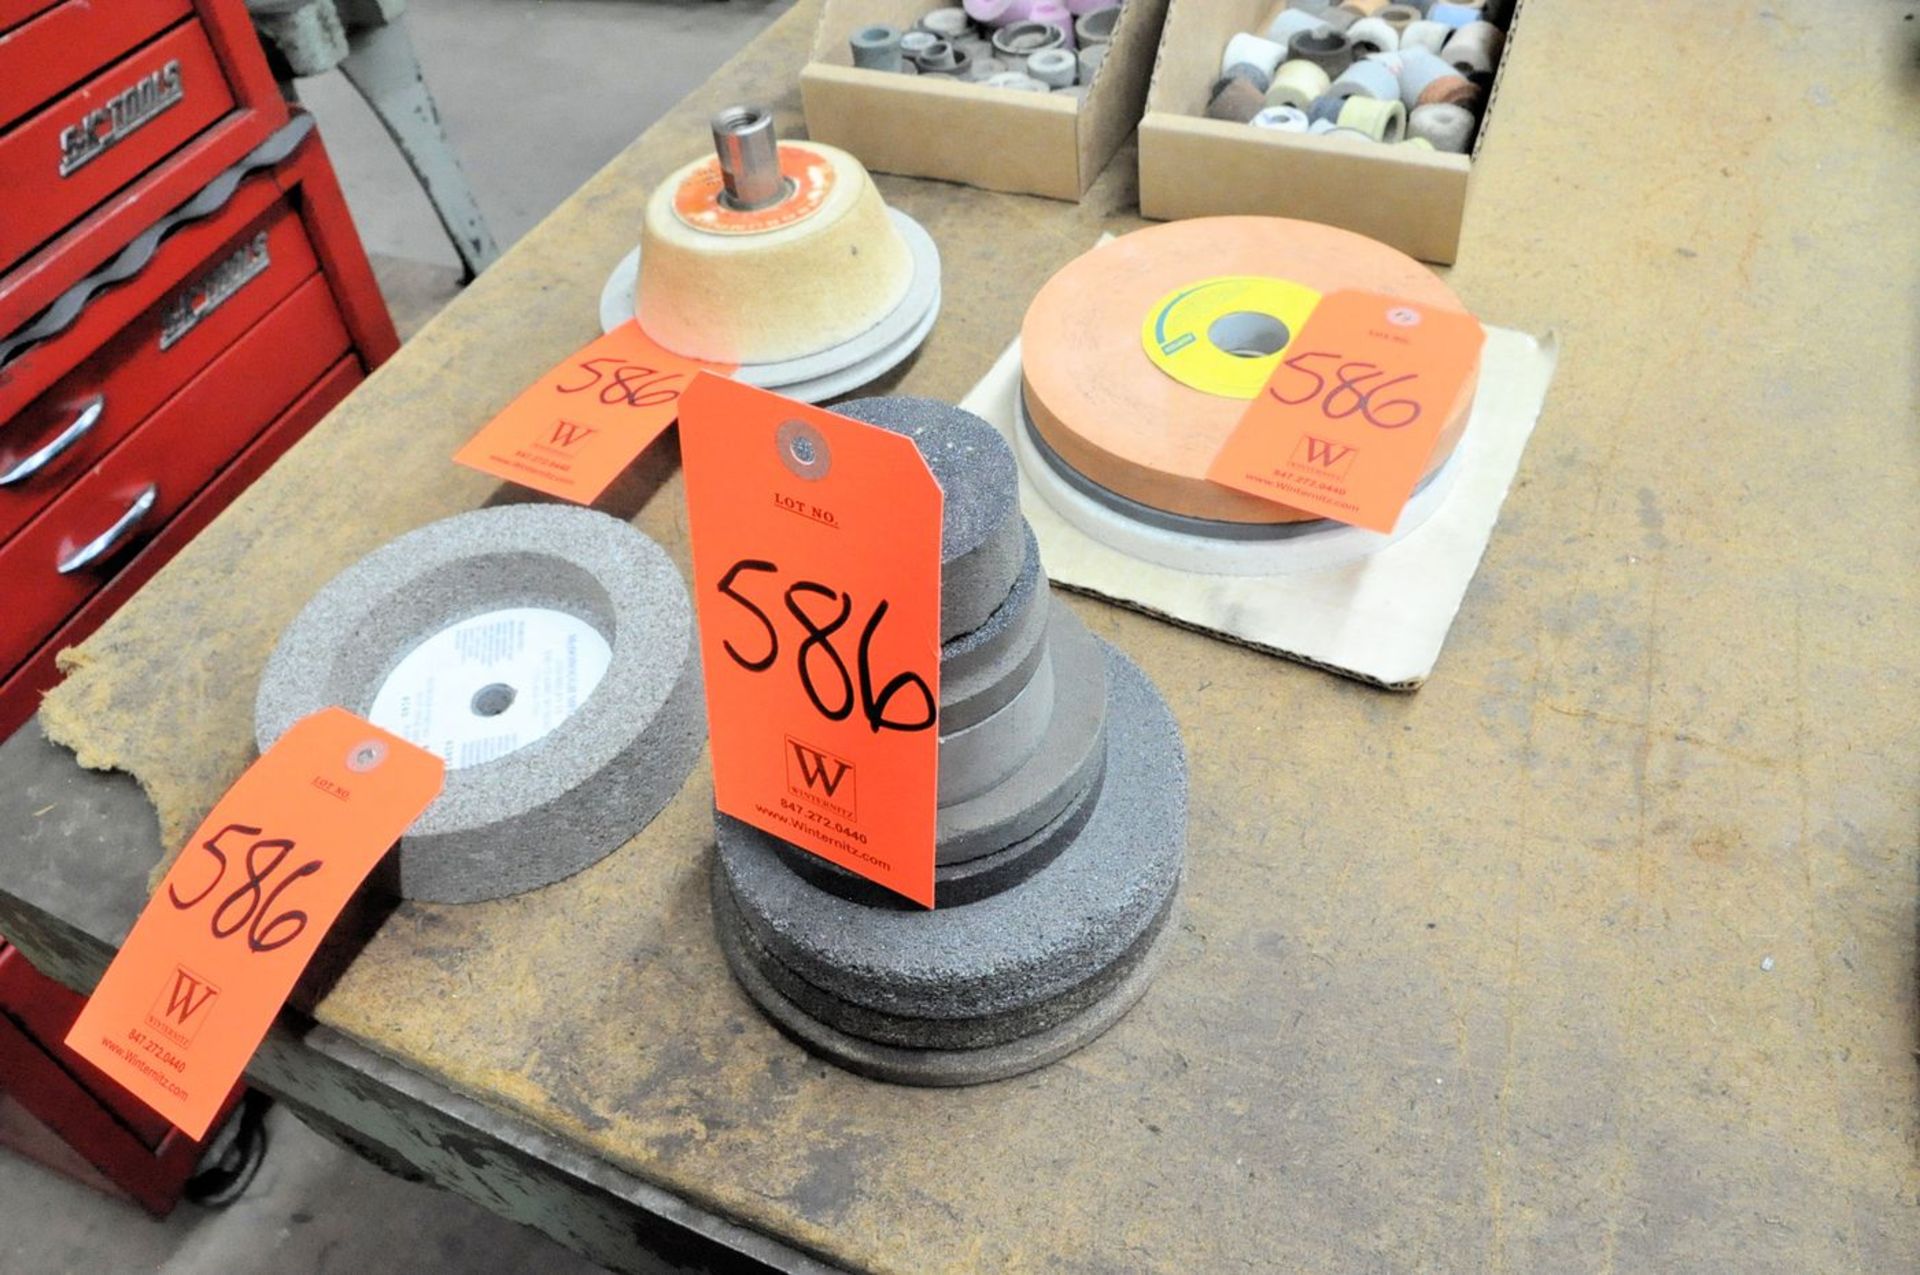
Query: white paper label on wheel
[(489, 685)]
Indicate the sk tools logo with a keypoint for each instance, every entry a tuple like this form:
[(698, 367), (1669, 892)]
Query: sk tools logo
[(183, 1006), (820, 778)]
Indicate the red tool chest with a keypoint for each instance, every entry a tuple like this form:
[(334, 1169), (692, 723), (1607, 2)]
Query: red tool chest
[(135, 1151), (182, 295)]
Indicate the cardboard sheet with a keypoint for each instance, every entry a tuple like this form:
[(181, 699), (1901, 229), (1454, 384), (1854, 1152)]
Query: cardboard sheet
[(1381, 617)]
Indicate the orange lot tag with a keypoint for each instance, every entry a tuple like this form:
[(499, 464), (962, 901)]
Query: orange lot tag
[(212, 959), (816, 575), (1347, 422), (571, 432)]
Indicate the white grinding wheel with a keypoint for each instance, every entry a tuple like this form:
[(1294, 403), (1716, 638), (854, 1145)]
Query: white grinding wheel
[(845, 367), (816, 269)]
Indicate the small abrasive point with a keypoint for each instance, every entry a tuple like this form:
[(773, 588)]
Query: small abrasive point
[(564, 801)]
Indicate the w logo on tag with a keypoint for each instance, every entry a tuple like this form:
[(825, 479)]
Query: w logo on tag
[(1325, 455), (567, 433), (183, 1005), (820, 777)]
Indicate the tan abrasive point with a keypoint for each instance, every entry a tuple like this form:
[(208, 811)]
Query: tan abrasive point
[(1115, 417), (822, 278)]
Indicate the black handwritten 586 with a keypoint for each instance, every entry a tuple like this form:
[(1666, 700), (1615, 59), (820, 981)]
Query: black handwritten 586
[(1356, 388), (817, 659), (249, 906)]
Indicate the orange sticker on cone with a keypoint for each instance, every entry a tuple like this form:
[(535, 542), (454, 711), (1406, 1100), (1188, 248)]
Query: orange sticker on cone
[(573, 431), (700, 202), (816, 576), (1347, 422), (211, 960)]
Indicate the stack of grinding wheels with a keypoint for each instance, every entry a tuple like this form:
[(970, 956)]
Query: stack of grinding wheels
[(1061, 826)]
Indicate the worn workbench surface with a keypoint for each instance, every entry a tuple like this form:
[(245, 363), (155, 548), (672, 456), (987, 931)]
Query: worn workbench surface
[(1597, 952)]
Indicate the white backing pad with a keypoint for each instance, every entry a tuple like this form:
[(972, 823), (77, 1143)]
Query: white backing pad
[(1381, 616)]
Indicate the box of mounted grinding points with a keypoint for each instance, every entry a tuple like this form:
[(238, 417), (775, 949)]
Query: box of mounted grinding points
[(1190, 166), (1024, 143)]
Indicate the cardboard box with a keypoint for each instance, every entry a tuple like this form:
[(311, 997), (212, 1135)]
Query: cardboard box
[(1191, 166), (998, 139)]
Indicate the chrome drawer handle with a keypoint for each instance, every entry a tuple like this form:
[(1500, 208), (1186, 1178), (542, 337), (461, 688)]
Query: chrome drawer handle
[(82, 426), (104, 543)]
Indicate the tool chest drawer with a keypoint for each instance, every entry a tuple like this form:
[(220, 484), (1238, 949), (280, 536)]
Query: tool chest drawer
[(20, 690), (113, 113), (75, 152), (15, 12), (59, 49), (28, 370), (44, 1011), (182, 295), (72, 548), (71, 426)]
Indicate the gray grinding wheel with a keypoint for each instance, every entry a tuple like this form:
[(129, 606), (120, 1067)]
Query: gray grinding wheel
[(923, 1034), (1008, 955), (981, 671), (1059, 770), (602, 769), (958, 883), (983, 537), (981, 757), (945, 1067)]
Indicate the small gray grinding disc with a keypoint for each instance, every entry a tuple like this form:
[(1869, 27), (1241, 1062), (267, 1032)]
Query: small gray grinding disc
[(569, 797), (983, 536), (1068, 758), (1015, 951), (981, 671)]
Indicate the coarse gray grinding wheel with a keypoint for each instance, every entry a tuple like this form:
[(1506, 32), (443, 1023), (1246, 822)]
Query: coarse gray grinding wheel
[(955, 884), (981, 671), (1068, 757), (923, 1034), (983, 538), (1006, 957), (567, 799), (936, 1068)]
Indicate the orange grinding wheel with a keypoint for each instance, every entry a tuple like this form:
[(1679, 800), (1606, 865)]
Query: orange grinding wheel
[(1140, 357)]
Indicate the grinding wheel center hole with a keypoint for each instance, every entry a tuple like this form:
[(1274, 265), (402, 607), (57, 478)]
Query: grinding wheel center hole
[(493, 699), (1249, 334)]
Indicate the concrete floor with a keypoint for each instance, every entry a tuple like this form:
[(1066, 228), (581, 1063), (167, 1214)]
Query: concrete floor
[(536, 95)]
